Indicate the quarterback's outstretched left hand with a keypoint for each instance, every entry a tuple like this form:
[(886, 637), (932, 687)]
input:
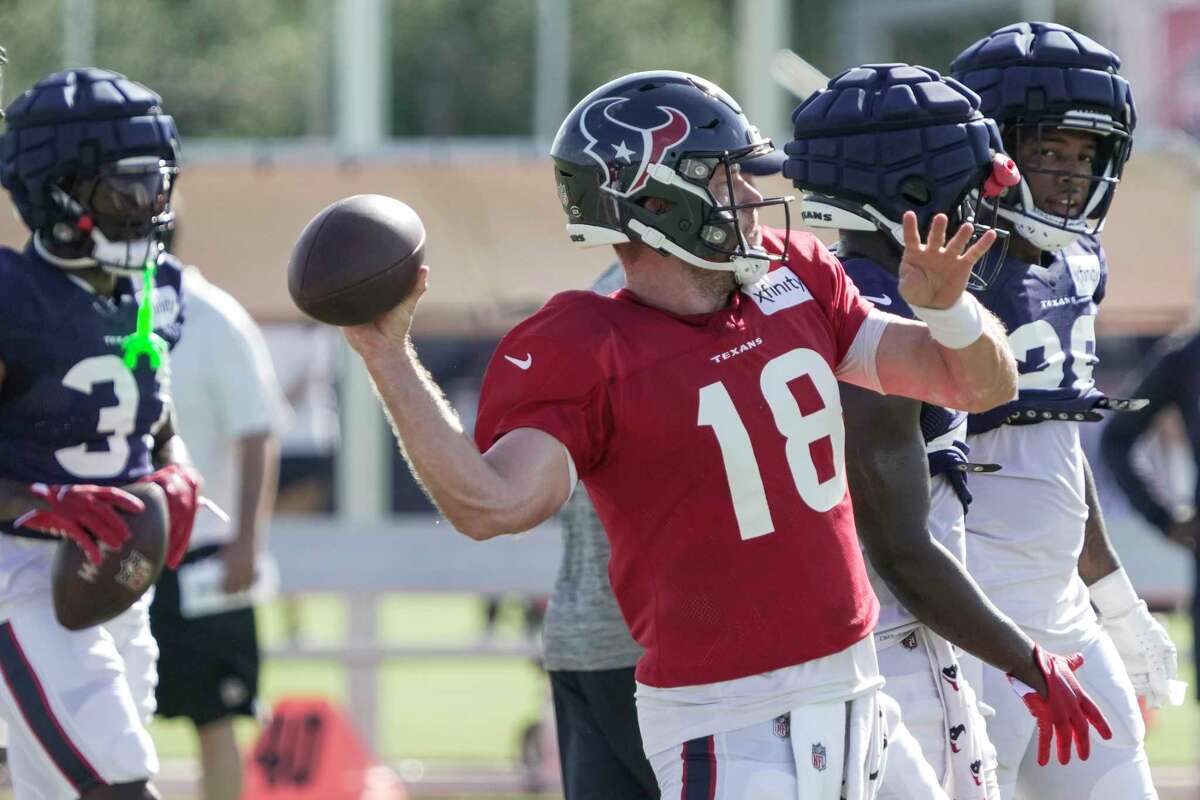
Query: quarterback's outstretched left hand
[(934, 273), (1065, 712), (181, 483)]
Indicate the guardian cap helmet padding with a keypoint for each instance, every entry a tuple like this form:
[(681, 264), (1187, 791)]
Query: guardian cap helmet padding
[(1038, 76), (883, 139), (90, 159)]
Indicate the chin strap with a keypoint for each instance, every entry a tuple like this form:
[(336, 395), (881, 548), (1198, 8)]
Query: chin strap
[(144, 341), (746, 269)]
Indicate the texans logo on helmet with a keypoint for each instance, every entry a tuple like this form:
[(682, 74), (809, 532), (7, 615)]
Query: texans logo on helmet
[(630, 143)]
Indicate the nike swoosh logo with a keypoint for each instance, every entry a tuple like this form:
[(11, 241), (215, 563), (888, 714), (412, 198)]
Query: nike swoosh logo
[(879, 301), (524, 363)]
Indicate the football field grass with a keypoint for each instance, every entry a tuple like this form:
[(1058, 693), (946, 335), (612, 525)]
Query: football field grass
[(466, 710)]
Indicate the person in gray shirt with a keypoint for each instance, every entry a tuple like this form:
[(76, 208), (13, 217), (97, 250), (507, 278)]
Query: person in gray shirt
[(590, 658), (588, 651)]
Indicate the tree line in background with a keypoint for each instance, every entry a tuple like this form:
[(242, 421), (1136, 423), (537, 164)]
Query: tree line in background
[(263, 68)]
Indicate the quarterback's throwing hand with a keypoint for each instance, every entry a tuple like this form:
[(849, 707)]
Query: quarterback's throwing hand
[(1065, 712), (390, 329), (84, 514), (181, 483), (934, 274)]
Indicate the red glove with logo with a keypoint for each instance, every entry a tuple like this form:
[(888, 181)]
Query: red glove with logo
[(1066, 710), (83, 514), (181, 483)]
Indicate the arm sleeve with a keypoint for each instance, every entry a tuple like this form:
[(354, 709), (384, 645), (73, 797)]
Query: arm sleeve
[(535, 380), (1123, 432), (858, 365)]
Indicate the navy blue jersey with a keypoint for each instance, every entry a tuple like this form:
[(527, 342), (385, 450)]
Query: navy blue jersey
[(1050, 314), (70, 410), (942, 428)]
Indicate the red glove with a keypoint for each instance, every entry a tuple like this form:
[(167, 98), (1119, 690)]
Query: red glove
[(181, 483), (1065, 711), (83, 514)]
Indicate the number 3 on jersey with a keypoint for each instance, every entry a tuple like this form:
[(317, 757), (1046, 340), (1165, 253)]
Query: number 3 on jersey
[(800, 431), (115, 423)]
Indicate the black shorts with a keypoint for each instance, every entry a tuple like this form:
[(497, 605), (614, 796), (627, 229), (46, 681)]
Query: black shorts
[(207, 666), (599, 744)]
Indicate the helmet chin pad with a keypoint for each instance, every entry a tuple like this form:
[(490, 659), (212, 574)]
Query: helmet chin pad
[(747, 268), (1040, 234), (124, 257)]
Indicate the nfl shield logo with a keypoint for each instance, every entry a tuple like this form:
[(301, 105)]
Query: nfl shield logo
[(783, 726), (818, 757)]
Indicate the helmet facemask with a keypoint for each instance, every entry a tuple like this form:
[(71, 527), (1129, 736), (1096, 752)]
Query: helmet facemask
[(114, 217), (1049, 228), (712, 228)]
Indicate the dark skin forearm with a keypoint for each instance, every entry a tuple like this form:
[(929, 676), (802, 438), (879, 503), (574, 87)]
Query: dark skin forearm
[(168, 445), (888, 475), (1097, 558), (15, 500)]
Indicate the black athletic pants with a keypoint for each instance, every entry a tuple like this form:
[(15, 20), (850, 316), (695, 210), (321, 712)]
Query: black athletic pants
[(599, 744)]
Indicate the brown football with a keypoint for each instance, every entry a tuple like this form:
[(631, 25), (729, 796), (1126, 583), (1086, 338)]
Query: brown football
[(87, 594), (356, 259)]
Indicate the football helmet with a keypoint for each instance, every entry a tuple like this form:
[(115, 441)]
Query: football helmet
[(665, 135), (90, 159), (1033, 77), (884, 139)]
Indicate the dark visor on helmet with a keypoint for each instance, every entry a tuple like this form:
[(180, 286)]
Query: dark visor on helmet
[(128, 200)]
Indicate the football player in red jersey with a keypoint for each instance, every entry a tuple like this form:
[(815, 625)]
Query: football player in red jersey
[(700, 406)]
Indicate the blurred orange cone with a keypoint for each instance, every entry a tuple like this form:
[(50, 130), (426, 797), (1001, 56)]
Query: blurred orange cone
[(310, 750)]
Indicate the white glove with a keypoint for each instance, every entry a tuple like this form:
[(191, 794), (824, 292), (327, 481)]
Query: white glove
[(1142, 642)]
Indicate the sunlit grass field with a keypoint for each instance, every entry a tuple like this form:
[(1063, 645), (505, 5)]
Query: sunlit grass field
[(470, 711)]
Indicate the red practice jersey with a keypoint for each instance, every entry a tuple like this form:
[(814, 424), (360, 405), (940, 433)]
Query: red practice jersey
[(712, 447)]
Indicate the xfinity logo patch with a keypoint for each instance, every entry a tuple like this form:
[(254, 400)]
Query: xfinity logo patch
[(780, 289), (1085, 270)]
